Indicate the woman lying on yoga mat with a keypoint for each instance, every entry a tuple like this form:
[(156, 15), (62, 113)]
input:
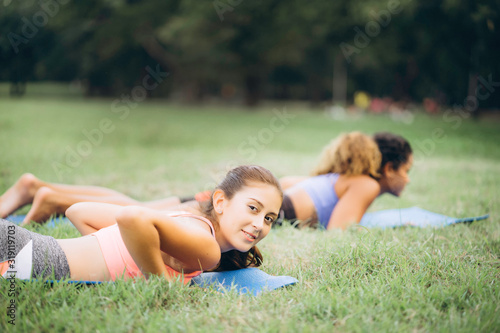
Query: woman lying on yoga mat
[(143, 241), (353, 170)]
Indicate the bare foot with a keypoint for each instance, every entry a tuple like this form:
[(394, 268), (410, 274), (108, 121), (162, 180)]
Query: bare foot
[(20, 194), (43, 207)]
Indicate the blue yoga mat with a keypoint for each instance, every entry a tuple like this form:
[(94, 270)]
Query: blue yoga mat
[(245, 281), (250, 281), (17, 219), (414, 217)]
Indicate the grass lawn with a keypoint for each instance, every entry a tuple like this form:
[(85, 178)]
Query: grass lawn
[(407, 279)]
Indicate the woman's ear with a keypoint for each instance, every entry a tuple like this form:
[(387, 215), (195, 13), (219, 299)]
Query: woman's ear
[(388, 168), (218, 199)]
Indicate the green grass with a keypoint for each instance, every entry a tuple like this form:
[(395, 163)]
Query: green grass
[(410, 280)]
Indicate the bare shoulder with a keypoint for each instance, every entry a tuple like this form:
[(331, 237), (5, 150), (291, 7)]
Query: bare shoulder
[(364, 180), (194, 221), (194, 243), (363, 185), (289, 181)]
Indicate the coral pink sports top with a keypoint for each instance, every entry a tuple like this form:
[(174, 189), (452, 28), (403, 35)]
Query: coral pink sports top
[(119, 261)]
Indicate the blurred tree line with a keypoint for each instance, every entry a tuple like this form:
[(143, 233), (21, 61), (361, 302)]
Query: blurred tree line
[(251, 50)]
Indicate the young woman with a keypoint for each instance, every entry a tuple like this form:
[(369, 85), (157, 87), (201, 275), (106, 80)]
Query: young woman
[(143, 241), (353, 170)]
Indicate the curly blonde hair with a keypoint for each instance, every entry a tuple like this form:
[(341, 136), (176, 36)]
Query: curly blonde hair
[(351, 153)]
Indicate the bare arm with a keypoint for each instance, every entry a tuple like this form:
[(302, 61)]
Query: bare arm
[(147, 232), (354, 203), (289, 181), (88, 217)]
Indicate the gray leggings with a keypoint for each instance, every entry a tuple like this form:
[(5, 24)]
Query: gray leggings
[(48, 258)]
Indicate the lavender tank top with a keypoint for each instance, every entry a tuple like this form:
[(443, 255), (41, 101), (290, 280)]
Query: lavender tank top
[(322, 192)]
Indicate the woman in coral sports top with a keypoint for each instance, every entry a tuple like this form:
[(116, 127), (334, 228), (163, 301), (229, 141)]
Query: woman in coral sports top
[(135, 241)]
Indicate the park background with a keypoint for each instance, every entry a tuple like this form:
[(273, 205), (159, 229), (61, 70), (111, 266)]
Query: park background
[(248, 51), (158, 98)]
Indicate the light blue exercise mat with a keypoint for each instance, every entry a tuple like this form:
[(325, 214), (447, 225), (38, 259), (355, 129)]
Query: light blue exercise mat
[(251, 281), (245, 281), (413, 217), (17, 219)]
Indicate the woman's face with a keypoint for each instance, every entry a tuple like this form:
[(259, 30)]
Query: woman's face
[(247, 217), (396, 180)]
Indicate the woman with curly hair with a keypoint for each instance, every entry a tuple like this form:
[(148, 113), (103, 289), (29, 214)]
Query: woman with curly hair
[(354, 169)]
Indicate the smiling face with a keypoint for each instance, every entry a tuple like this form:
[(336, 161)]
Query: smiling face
[(394, 181), (247, 217)]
